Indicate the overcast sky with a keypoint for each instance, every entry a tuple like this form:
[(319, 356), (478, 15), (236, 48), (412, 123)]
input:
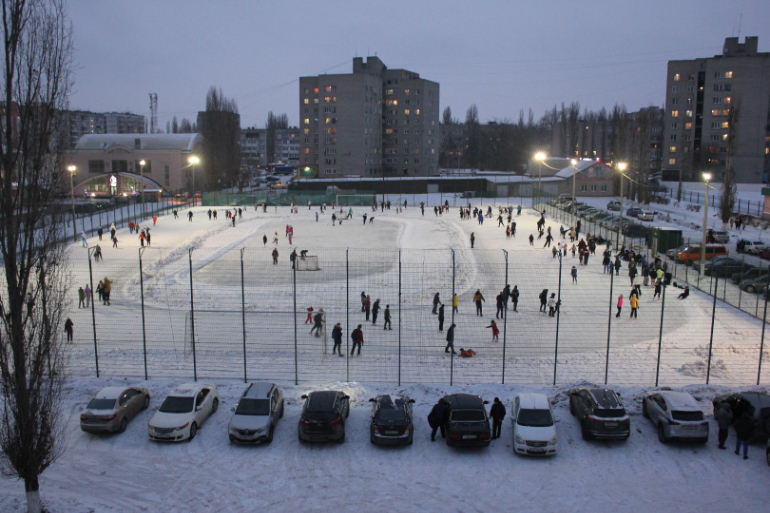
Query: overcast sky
[(501, 55)]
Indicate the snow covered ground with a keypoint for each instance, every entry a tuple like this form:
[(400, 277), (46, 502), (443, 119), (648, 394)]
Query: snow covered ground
[(129, 473)]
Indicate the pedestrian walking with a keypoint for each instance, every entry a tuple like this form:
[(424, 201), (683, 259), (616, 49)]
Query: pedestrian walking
[(552, 305), (83, 239), (309, 315), (573, 273), (89, 294), (724, 416), (69, 329), (436, 302), (473, 240), (358, 340), (495, 331), (634, 301), (543, 299), (437, 418), (450, 339), (620, 305), (375, 311), (500, 303), (337, 338), (367, 307), (154, 220), (515, 297), (455, 303), (81, 298), (441, 319), (478, 298), (275, 238), (264, 240), (107, 290), (658, 287), (386, 315), (275, 256), (744, 428), (497, 412), (363, 301), (318, 323), (100, 232), (189, 216)]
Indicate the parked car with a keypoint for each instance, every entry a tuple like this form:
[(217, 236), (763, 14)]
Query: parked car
[(646, 215), (677, 416), (614, 206), (468, 422), (691, 254), (534, 429), (635, 230), (724, 267), (257, 414), (752, 247), (721, 237), (600, 413), (112, 408), (633, 211), (671, 253), (749, 273), (765, 254), (756, 403), (183, 411), (391, 420), (753, 285), (323, 416)]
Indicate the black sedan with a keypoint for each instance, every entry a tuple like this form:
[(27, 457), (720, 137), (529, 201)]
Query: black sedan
[(323, 416), (391, 420), (468, 422), (757, 404), (725, 267), (600, 412)]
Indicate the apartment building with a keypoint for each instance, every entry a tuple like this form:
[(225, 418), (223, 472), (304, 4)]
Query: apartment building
[(372, 122), (257, 151), (700, 94), (73, 124)]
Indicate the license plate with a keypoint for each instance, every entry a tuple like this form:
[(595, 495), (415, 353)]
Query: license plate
[(390, 433), (689, 428), (536, 451), (611, 424), (469, 437)]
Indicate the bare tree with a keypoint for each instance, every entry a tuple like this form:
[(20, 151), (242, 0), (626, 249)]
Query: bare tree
[(36, 80), (729, 187), (473, 140)]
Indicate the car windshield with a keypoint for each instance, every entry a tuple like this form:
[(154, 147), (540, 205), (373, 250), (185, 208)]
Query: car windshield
[(101, 404), (320, 416), (687, 415), (253, 407), (610, 413), (535, 418), (177, 405), (392, 414), (467, 416)]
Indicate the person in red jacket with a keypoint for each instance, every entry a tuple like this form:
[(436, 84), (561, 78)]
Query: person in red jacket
[(467, 353), (495, 331), (358, 340), (309, 315)]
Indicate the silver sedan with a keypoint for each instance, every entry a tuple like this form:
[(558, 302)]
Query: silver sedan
[(112, 408)]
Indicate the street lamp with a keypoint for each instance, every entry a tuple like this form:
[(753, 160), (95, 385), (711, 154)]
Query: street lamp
[(622, 168), (574, 173), (141, 172), (72, 170), (706, 178), (193, 161), (540, 156)]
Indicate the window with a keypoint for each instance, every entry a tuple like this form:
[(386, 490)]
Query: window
[(392, 102), (406, 131), (330, 99), (717, 99), (723, 74), (690, 89), (725, 124), (406, 112), (120, 166), (674, 125), (417, 111), (675, 89), (688, 125), (604, 188), (330, 88), (389, 92), (315, 90), (406, 91), (583, 188), (671, 162), (674, 101), (306, 101), (674, 113), (330, 171), (677, 77), (689, 101), (330, 121), (330, 130), (306, 121), (96, 166), (672, 149), (688, 113), (673, 137)]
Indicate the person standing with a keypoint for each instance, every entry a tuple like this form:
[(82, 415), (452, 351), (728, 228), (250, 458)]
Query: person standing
[(358, 340), (543, 299), (455, 303), (386, 315), (363, 301), (552, 305), (744, 428), (375, 311), (264, 240), (154, 220), (450, 339), (367, 307), (473, 240), (634, 305), (309, 315), (478, 298), (189, 216), (318, 321), (81, 298), (89, 294), (107, 290), (441, 319), (500, 304), (497, 412), (69, 328), (275, 256), (437, 418), (724, 417), (436, 302), (515, 297), (573, 273), (337, 338), (620, 305), (658, 287), (100, 232), (495, 331)]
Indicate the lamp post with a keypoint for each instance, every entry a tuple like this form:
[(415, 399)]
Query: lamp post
[(574, 173), (193, 161), (540, 156), (72, 170), (706, 178), (622, 168), (141, 173)]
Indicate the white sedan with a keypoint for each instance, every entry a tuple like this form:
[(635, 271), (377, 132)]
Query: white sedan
[(646, 215), (183, 411)]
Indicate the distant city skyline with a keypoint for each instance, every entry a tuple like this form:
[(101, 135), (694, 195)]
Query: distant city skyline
[(503, 57)]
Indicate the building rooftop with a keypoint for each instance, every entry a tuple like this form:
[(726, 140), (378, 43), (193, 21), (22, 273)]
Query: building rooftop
[(182, 142)]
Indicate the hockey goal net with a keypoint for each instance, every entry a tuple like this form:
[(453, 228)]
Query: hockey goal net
[(308, 263)]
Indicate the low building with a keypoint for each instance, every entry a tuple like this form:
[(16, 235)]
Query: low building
[(109, 165)]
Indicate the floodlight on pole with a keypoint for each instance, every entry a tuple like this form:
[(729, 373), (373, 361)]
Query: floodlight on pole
[(72, 170), (193, 160), (141, 174), (539, 156), (574, 174), (706, 179), (622, 168)]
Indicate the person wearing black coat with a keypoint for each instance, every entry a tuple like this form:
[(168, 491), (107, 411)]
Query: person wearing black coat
[(506, 294), (337, 338), (450, 339), (436, 302), (543, 299), (375, 311), (497, 412), (515, 297), (441, 319), (744, 428), (500, 301), (437, 418)]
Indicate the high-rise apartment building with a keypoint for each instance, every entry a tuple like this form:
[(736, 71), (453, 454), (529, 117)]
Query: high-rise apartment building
[(700, 94), (372, 122), (72, 124), (255, 144)]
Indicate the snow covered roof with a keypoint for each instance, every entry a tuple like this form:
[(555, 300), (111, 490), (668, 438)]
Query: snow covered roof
[(532, 401), (181, 142), (681, 401), (110, 392), (187, 389), (587, 169)]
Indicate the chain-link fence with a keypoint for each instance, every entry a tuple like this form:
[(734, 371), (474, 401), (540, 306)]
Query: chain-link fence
[(234, 312)]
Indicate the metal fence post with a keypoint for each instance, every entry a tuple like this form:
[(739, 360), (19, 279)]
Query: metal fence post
[(452, 354), (609, 330), (243, 317), (192, 317), (347, 314), (399, 317), (144, 329), (711, 339), (505, 315), (660, 333), (558, 314), (296, 356), (93, 309)]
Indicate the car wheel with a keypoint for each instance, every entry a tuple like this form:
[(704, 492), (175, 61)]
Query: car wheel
[(193, 430), (215, 405), (146, 402), (123, 424), (585, 431), (342, 439), (662, 434), (644, 409), (281, 415), (571, 407), (750, 288), (270, 435), (371, 438), (411, 438)]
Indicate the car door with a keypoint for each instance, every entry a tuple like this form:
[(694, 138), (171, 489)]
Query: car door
[(202, 401), (515, 416), (135, 402), (586, 405), (274, 405), (653, 408), (124, 404)]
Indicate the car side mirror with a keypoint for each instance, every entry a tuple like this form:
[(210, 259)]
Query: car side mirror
[(485, 402), (346, 396), (371, 400), (557, 419), (304, 396), (411, 400), (198, 408), (232, 409)]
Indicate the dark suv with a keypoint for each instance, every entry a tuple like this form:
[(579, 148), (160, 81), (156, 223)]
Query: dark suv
[(391, 420), (757, 404), (600, 412), (467, 423), (323, 417)]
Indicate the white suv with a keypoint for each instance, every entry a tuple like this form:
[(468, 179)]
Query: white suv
[(534, 431), (677, 416), (183, 411)]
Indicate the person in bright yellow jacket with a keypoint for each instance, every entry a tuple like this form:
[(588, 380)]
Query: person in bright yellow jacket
[(455, 302), (634, 305)]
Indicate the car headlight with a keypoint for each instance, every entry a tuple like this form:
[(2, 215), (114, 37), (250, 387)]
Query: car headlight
[(182, 427), (554, 440), (519, 440)]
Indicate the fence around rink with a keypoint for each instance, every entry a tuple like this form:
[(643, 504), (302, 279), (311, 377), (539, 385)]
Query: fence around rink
[(232, 313)]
